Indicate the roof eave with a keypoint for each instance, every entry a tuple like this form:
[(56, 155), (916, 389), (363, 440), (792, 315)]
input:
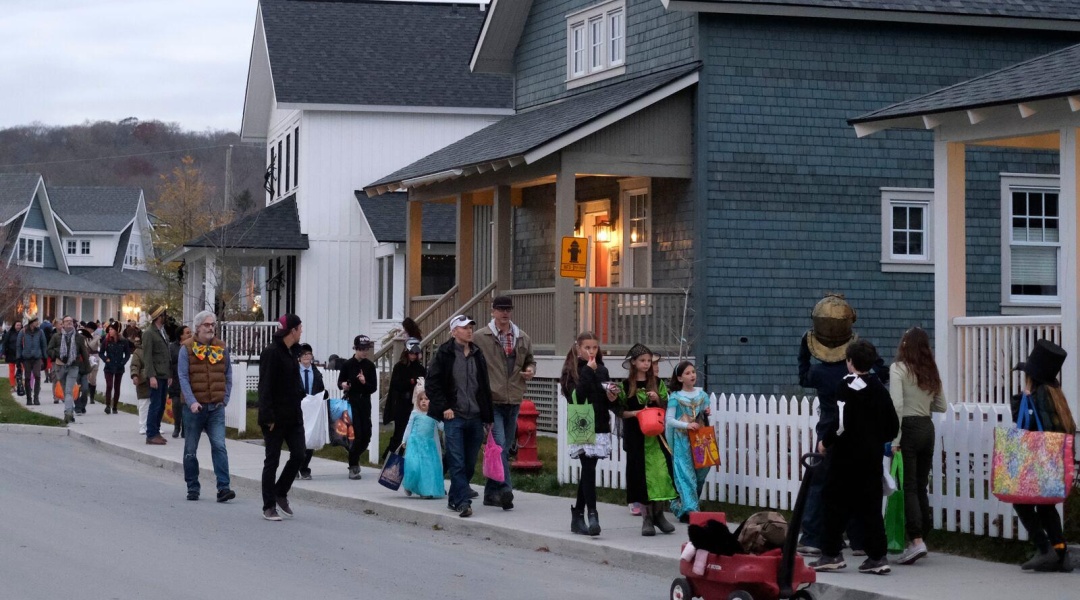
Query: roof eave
[(497, 41), (869, 123), (255, 121), (860, 14)]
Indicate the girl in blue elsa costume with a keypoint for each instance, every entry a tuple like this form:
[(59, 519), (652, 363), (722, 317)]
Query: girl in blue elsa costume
[(687, 410), (423, 455)]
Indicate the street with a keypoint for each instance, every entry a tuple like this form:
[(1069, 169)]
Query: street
[(78, 522)]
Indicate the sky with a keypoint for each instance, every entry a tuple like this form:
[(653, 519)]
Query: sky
[(63, 62)]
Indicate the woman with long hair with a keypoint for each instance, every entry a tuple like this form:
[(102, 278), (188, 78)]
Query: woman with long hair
[(585, 378), (1052, 411), (399, 399), (915, 388), (115, 353)]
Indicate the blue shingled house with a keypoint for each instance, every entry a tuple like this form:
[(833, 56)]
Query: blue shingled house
[(703, 149)]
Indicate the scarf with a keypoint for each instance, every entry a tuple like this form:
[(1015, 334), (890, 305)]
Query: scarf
[(214, 354), (68, 347)]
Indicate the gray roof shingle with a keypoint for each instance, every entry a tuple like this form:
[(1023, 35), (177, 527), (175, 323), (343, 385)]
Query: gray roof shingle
[(95, 208), (122, 280), (276, 227), (378, 53), (386, 216), (520, 133), (51, 280), (16, 190), (1066, 10), (1051, 75)]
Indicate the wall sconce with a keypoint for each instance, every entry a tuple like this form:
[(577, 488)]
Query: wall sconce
[(603, 232)]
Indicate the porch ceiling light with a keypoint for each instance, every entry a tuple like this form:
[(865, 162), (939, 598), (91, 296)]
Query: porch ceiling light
[(603, 231)]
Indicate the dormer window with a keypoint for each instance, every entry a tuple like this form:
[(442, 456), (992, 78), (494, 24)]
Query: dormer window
[(131, 259), (596, 44), (32, 251)]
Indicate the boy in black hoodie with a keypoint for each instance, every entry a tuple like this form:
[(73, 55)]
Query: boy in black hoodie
[(853, 483)]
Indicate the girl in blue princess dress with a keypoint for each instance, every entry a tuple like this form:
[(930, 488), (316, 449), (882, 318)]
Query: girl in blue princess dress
[(687, 410), (423, 455)]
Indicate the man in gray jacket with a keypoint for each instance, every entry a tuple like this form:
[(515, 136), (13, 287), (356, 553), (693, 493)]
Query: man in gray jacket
[(31, 349), (510, 363), (157, 369)]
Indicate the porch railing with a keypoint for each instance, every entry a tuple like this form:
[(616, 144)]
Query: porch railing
[(429, 311), (440, 333), (987, 349), (246, 339), (534, 311), (621, 317)]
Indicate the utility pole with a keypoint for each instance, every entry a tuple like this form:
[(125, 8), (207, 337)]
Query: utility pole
[(228, 176)]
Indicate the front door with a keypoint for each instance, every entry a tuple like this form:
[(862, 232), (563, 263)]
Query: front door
[(596, 224)]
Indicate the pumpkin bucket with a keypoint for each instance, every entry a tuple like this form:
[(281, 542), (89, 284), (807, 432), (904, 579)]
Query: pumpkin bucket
[(651, 421)]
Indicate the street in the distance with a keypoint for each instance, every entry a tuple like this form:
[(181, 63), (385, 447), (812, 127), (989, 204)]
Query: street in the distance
[(79, 522)]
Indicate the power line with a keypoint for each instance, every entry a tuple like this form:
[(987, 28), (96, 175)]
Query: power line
[(75, 160)]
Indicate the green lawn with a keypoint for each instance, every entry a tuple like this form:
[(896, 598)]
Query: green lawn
[(13, 408)]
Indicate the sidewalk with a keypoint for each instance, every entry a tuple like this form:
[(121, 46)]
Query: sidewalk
[(543, 522)]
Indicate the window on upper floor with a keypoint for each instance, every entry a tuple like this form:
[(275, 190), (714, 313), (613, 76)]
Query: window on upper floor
[(284, 165), (131, 259), (595, 43), (84, 247), (385, 301), (905, 230), (72, 247), (1031, 242), (32, 251), (77, 247)]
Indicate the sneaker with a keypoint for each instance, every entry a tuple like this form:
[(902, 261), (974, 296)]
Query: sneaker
[(283, 504), (808, 550), (635, 509), (305, 474), (271, 515), (156, 441), (1044, 562), (354, 472), (193, 496), (507, 500), (225, 495), (876, 567), (912, 553), (466, 511), (473, 493), (828, 563)]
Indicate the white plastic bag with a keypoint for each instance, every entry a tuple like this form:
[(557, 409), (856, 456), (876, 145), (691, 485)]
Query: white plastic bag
[(889, 485), (316, 419)]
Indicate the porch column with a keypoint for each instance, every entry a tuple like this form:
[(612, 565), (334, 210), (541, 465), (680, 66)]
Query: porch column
[(566, 316), (1069, 269), (59, 308), (414, 238), (465, 248), (950, 260), (502, 246), (209, 285)]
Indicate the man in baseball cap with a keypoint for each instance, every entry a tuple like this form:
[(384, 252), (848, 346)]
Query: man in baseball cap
[(459, 396), (358, 380)]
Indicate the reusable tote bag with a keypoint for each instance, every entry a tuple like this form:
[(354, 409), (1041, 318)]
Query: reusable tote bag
[(393, 471), (1031, 467), (580, 422), (895, 523), (316, 416), (493, 466), (703, 447)]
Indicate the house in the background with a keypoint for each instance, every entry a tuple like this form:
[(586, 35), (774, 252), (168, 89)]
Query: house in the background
[(340, 93), (106, 238), (704, 146), (73, 248)]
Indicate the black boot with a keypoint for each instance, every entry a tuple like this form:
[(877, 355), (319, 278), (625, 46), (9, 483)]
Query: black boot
[(93, 393), (594, 523), (577, 521), (659, 520), (647, 528)]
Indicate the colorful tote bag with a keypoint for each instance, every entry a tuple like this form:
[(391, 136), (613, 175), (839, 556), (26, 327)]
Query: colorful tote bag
[(393, 471), (493, 465), (580, 422), (703, 447), (1031, 467)]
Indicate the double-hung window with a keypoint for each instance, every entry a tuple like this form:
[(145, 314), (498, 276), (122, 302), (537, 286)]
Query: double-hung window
[(84, 247), (906, 230), (131, 259), (72, 247), (1031, 241), (385, 301), (596, 43), (32, 251)]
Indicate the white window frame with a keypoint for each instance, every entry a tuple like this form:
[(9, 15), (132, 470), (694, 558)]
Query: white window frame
[(629, 188), (131, 258), (910, 197), (33, 245), (71, 247), (385, 284), (592, 40), (1010, 182), (84, 247)]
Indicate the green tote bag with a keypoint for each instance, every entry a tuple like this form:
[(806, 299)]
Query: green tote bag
[(580, 422)]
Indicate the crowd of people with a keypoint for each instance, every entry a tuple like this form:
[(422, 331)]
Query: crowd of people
[(472, 389)]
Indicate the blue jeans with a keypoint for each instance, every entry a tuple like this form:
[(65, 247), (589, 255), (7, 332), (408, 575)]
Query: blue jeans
[(157, 409), (213, 423), (504, 430), (463, 440), (68, 376)]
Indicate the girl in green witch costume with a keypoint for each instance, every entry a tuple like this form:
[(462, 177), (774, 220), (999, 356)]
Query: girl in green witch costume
[(648, 461)]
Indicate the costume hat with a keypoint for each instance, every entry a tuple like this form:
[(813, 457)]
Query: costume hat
[(157, 312), (635, 351), (833, 318), (1044, 363)]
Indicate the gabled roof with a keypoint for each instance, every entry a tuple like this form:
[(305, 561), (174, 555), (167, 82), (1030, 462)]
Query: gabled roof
[(276, 227), (16, 191), (531, 135), (51, 280), (1052, 75), (386, 216), (122, 280), (95, 208), (367, 53), (1024, 14)]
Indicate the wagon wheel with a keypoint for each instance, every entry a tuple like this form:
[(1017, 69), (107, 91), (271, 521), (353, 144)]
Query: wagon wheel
[(681, 590), (740, 595)]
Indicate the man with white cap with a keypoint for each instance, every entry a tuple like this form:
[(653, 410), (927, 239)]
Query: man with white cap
[(459, 396)]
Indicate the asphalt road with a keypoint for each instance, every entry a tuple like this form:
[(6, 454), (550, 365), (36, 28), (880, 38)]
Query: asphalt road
[(78, 522)]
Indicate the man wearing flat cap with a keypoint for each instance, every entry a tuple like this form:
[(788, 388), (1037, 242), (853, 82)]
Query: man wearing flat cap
[(459, 396), (157, 369), (510, 361)]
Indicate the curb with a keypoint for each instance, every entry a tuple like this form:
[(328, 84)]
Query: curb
[(49, 430), (585, 550)]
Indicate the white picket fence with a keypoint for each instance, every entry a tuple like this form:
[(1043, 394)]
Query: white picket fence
[(761, 440)]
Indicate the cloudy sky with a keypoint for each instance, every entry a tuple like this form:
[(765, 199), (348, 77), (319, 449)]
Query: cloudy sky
[(68, 61)]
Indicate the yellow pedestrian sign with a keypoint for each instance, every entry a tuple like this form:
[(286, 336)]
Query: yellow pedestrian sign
[(573, 258)]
